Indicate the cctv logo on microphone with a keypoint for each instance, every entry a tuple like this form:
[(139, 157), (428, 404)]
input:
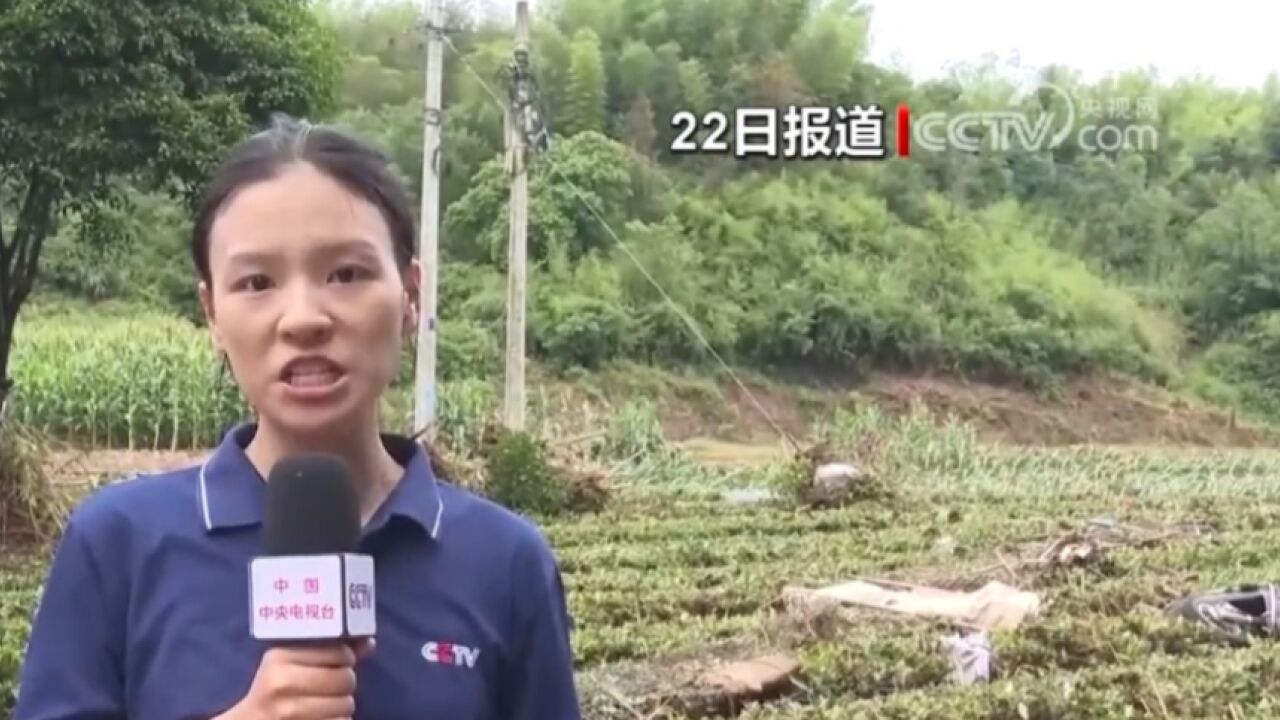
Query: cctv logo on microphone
[(446, 653), (360, 596)]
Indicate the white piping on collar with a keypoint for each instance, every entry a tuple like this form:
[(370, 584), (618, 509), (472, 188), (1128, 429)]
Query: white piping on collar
[(204, 498), (208, 521), (435, 529)]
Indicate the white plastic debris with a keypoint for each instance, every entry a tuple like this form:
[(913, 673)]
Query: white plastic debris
[(971, 657), (834, 480)]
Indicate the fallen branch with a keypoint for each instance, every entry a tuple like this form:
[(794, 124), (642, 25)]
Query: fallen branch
[(1076, 547), (623, 702), (574, 440)]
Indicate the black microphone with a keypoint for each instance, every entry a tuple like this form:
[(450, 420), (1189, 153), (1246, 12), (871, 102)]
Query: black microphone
[(310, 583)]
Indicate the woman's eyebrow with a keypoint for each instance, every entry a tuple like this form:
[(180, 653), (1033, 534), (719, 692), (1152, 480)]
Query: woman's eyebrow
[(335, 246), (249, 257)]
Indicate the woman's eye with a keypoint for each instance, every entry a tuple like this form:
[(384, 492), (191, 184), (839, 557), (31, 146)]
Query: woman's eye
[(347, 274), (254, 283)]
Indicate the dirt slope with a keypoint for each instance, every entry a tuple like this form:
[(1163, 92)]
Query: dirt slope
[(1097, 411), (1086, 411)]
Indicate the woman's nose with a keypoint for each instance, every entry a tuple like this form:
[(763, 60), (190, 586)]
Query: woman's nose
[(304, 318)]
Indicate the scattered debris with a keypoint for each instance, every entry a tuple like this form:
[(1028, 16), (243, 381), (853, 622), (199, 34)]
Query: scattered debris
[(818, 477), (690, 685), (971, 657), (588, 487), (946, 546), (1236, 613), (1076, 553), (995, 606), (760, 678), (1089, 546), (833, 482)]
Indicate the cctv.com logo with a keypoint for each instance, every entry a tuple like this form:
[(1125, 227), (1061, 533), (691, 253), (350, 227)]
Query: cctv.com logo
[(1013, 129), (859, 131)]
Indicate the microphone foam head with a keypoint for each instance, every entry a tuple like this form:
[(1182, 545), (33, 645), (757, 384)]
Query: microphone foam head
[(311, 507)]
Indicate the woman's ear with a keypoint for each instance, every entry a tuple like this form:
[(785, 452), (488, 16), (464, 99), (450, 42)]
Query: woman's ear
[(412, 284), (210, 319)]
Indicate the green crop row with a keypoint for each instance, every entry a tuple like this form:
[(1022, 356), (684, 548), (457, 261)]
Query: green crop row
[(147, 382), (153, 382)]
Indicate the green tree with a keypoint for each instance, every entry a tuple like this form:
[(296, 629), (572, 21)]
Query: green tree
[(667, 98), (640, 132), (386, 49), (1234, 269), (776, 84), (581, 173), (695, 87), (826, 49), (599, 16), (585, 104), (637, 70), (152, 92), (552, 57)]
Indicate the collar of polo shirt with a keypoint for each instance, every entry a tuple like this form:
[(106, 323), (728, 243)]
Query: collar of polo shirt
[(232, 491)]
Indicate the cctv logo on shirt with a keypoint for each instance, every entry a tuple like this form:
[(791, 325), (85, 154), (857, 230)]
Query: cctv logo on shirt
[(444, 653)]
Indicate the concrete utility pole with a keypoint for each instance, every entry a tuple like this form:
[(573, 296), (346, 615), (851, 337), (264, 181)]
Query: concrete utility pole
[(517, 246), (424, 384)]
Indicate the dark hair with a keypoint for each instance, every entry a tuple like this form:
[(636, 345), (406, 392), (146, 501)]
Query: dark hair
[(356, 164)]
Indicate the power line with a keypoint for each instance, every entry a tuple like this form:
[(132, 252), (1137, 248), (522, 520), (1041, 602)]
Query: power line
[(693, 327)]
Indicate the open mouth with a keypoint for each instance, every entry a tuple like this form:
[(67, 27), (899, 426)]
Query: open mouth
[(311, 373)]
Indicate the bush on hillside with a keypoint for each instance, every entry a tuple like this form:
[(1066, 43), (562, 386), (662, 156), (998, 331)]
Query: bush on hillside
[(1243, 369), (1036, 314), (1234, 253), (804, 268), (577, 330), (520, 474), (465, 410), (634, 432), (467, 349), (464, 349)]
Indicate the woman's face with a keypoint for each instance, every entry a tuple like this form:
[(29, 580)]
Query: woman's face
[(307, 301)]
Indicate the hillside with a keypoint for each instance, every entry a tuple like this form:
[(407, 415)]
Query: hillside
[(1026, 266)]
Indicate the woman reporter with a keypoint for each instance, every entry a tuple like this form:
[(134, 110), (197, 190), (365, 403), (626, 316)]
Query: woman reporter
[(307, 276)]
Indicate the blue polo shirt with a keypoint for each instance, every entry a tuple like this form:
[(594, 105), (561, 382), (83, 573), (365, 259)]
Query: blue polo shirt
[(145, 612)]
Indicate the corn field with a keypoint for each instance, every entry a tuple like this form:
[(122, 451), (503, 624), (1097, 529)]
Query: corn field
[(153, 382), (146, 382)]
